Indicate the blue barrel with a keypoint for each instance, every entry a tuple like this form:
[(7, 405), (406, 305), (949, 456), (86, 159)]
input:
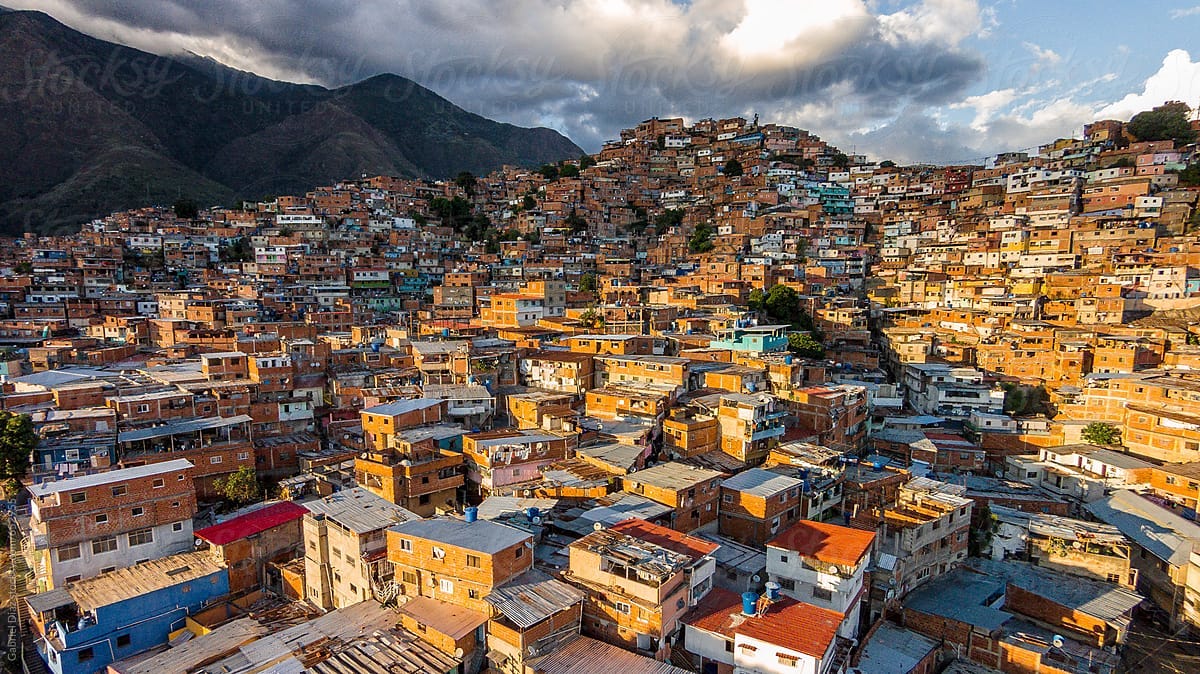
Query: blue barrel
[(773, 591), (532, 513), (471, 514), (749, 601)]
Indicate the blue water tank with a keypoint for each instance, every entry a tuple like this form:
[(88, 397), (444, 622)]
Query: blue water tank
[(531, 513), (877, 465), (773, 591), (471, 514), (749, 601), (445, 332), (787, 360)]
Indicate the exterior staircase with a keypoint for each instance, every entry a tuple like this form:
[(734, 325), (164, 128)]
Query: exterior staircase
[(22, 577)]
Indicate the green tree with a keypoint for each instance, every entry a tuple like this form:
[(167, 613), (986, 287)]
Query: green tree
[(1190, 176), (1099, 433), (466, 182), (672, 217), (782, 303), (755, 301), (17, 442), (887, 163), (586, 162), (733, 167), (240, 487), (588, 283), (549, 171), (528, 202), (568, 171), (803, 344), (840, 160), (1168, 121), (701, 239), (576, 222), (186, 209), (591, 319)]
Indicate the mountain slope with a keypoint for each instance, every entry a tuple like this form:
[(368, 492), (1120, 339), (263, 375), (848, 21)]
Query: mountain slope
[(88, 127)]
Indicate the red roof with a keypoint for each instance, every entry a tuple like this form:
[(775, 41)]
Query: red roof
[(787, 622), (825, 542), (252, 523), (665, 538)]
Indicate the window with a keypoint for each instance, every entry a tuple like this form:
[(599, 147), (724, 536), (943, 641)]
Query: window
[(214, 459), (180, 477), (473, 561), (408, 577), (787, 660), (86, 654), (174, 504), (621, 607), (143, 408), (242, 456), (727, 498), (786, 583), (123, 640), (822, 593), (438, 553), (423, 499), (104, 544), (446, 586), (405, 545), (178, 526), (728, 646), (472, 594), (519, 553), (1114, 578), (102, 519), (353, 590), (782, 558), (78, 497), (139, 511), (119, 490), (73, 579), (159, 483), (67, 552), (141, 537)]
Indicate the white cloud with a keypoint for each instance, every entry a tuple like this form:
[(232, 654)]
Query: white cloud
[(1044, 57), (1178, 79), (1185, 12), (935, 22)]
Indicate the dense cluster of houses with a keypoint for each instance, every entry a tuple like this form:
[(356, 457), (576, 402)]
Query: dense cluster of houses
[(573, 419)]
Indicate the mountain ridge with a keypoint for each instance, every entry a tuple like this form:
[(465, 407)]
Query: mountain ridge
[(88, 127)]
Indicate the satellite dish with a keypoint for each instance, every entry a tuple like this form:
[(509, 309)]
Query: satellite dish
[(756, 578), (833, 569), (536, 520), (598, 526), (1058, 641), (458, 653)]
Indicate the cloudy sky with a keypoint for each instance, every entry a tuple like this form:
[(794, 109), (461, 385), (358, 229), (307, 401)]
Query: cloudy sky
[(913, 80)]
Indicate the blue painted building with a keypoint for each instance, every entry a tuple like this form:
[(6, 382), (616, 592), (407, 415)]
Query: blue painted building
[(86, 625), (756, 339)]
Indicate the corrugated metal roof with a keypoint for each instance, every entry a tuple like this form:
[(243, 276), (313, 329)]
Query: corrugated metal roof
[(133, 581), (403, 406), (481, 535), (761, 482), (585, 655), (532, 597), (360, 511), (190, 426), (388, 651), (450, 619), (673, 475), (1160, 531), (252, 523)]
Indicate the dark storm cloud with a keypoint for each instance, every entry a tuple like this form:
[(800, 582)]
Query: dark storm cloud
[(586, 67)]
